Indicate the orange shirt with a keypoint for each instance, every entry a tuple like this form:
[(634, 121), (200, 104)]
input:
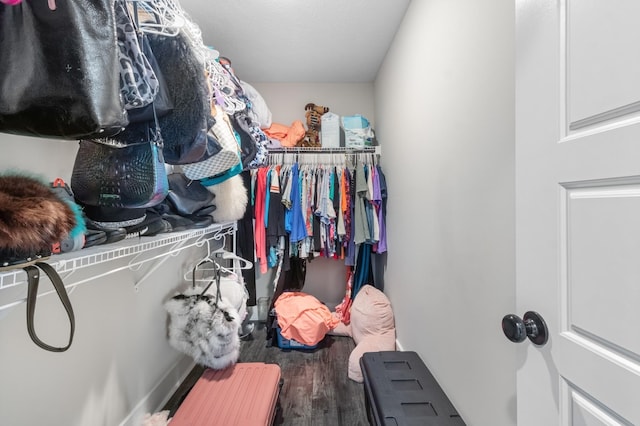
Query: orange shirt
[(303, 318), (288, 136)]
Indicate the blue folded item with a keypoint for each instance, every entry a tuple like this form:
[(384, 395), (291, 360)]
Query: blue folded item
[(357, 121)]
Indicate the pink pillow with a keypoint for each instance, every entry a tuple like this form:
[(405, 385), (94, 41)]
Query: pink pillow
[(369, 344), (371, 314), (341, 329), (372, 327)]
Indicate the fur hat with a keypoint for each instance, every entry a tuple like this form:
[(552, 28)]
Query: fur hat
[(230, 198), (32, 217)]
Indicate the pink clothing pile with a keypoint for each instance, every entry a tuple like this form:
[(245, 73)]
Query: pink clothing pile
[(303, 318)]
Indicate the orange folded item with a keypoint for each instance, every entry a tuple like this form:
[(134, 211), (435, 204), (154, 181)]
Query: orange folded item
[(288, 136)]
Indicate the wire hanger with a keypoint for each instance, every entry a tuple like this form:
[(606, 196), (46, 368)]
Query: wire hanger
[(161, 17)]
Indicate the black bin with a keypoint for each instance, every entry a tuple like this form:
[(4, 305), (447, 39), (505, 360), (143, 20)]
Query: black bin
[(400, 391)]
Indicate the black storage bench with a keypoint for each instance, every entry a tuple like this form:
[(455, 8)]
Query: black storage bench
[(400, 391)]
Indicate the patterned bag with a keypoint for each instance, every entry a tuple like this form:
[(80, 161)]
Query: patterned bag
[(112, 174), (162, 104), (257, 137), (205, 325), (138, 82), (226, 159)]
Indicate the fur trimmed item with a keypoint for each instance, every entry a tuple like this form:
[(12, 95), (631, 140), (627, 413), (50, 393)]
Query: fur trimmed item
[(231, 199), (32, 216), (206, 330), (184, 130)]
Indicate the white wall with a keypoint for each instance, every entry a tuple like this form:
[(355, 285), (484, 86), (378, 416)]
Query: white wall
[(120, 364), (325, 277), (445, 112)]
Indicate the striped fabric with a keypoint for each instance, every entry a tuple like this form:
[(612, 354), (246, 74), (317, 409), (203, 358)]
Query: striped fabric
[(228, 157)]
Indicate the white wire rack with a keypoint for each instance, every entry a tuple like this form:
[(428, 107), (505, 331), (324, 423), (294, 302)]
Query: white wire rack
[(332, 156), (140, 250), (377, 149)]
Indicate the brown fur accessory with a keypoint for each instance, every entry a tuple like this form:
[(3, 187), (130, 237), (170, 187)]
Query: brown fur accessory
[(32, 216)]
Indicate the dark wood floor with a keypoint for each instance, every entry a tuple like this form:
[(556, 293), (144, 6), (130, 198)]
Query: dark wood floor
[(316, 389)]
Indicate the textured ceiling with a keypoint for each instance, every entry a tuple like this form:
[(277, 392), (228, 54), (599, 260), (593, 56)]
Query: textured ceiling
[(322, 41)]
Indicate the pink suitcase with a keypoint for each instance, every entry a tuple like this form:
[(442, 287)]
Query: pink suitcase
[(245, 394)]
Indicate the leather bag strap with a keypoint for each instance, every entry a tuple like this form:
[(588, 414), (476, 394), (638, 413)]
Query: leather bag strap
[(33, 279)]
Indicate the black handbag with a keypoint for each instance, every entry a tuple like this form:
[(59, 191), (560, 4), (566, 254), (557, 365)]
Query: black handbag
[(114, 174), (59, 72), (189, 197), (185, 129)]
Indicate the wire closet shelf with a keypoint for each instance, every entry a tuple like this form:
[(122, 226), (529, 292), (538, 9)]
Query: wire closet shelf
[(140, 250)]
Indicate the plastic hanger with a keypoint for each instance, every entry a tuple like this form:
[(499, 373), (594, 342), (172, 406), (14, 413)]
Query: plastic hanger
[(223, 90), (212, 258), (227, 255), (161, 17), (205, 265)]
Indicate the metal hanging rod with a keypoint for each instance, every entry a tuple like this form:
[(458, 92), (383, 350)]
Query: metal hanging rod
[(342, 150)]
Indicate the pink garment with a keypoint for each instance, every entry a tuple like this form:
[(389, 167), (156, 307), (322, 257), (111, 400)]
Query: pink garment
[(343, 310), (303, 318), (288, 136), (260, 233)]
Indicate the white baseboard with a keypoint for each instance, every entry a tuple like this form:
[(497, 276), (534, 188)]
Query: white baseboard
[(159, 395)]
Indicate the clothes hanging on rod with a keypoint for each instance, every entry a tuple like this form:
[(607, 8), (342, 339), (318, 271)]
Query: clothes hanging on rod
[(320, 204)]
